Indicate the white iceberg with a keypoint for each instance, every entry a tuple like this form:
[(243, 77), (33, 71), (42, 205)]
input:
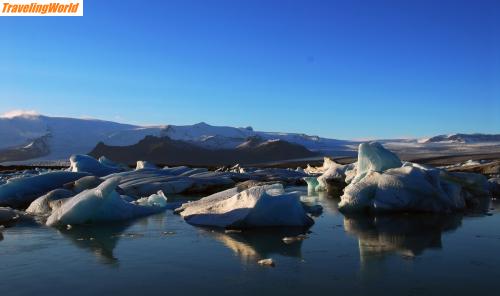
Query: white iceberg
[(20, 192), (158, 200), (142, 164), (381, 186), (259, 206), (102, 204), (88, 164)]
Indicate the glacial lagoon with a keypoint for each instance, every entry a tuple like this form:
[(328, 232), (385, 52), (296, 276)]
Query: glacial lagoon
[(397, 254)]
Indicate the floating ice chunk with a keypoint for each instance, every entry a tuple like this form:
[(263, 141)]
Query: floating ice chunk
[(312, 182), (158, 200), (383, 184), (374, 157), (85, 163), (142, 164), (102, 204), (267, 262), (44, 205), (19, 193), (411, 188), (258, 206)]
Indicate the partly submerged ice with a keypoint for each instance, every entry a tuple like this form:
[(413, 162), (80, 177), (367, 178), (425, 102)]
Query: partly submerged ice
[(102, 204), (258, 206), (382, 183)]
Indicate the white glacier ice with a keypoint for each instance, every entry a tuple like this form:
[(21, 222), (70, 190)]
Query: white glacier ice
[(102, 204), (374, 157), (159, 200), (258, 206), (142, 164), (19, 193), (383, 185), (88, 164), (44, 205)]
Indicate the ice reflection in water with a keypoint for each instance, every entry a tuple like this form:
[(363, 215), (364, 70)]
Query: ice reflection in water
[(253, 245)]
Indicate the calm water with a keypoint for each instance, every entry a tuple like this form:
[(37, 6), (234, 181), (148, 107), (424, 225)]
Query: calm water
[(163, 255)]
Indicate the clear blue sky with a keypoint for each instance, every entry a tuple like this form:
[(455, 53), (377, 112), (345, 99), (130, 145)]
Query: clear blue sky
[(341, 69)]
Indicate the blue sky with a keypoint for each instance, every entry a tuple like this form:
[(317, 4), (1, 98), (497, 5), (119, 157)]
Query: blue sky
[(341, 69)]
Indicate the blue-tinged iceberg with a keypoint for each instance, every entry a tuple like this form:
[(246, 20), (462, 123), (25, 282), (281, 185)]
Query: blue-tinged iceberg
[(88, 164), (383, 183), (19, 193), (103, 204)]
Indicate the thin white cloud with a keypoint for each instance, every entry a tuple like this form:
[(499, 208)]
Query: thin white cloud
[(19, 113)]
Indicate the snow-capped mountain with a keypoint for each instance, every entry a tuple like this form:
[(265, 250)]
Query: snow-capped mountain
[(463, 138), (32, 137), (62, 136)]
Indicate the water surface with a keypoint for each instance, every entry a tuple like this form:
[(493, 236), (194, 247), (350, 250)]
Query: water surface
[(344, 255)]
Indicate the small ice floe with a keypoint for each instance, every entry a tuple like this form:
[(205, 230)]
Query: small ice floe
[(334, 176), (267, 262), (292, 239)]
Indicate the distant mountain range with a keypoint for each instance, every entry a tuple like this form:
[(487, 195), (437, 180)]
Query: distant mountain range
[(32, 137), (163, 150), (464, 138)]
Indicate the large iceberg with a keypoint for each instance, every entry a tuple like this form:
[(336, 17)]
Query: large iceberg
[(19, 193), (88, 164), (102, 204), (382, 183), (259, 206)]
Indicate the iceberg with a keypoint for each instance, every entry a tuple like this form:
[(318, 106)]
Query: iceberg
[(102, 204), (259, 206), (382, 185), (19, 193), (88, 164)]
